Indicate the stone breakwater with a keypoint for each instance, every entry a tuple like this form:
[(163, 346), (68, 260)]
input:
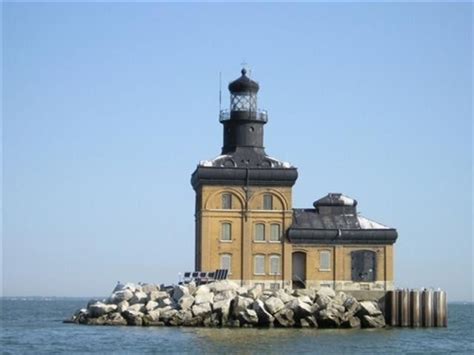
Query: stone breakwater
[(226, 304)]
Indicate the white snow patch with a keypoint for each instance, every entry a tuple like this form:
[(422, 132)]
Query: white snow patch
[(284, 164), (346, 200), (368, 224), (211, 162)]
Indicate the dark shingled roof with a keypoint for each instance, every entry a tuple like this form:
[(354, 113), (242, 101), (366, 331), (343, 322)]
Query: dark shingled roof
[(335, 220)]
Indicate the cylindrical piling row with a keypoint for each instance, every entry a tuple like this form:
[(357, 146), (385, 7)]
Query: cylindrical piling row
[(427, 304), (404, 308), (393, 310), (440, 309), (415, 301)]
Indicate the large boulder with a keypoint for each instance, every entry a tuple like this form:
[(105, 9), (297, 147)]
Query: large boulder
[(350, 322), (340, 298), (369, 308), (133, 317), (255, 292), (202, 310), (284, 296), (323, 301), (240, 304), (114, 318), (180, 291), (274, 304), (157, 295), (326, 291), (373, 321), (307, 322), (98, 309), (148, 288), (186, 302), (165, 302), (203, 297), (154, 315), (139, 297), (300, 309), (264, 318), (166, 315), (248, 316), (285, 318), (351, 305), (224, 295), (137, 307), (182, 317), (305, 299), (122, 306), (121, 295), (151, 305), (328, 318), (224, 285), (222, 308), (309, 292)]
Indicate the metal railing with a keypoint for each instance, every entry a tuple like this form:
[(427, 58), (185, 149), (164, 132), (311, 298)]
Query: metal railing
[(259, 115)]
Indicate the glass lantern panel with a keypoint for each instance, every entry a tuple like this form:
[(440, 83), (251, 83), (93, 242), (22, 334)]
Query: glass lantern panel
[(243, 102)]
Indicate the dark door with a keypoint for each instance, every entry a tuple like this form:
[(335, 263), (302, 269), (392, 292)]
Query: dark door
[(363, 266), (298, 267)]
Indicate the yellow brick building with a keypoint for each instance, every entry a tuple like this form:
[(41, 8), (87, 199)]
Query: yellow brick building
[(245, 221)]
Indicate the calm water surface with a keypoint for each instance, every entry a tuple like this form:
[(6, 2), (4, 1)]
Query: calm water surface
[(35, 326)]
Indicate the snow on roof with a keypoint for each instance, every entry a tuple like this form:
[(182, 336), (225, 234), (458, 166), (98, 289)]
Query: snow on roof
[(212, 161), (366, 223)]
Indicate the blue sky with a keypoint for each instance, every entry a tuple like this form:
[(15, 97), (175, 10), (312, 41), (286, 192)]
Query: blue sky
[(107, 109)]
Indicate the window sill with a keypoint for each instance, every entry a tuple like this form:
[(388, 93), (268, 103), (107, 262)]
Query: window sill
[(279, 274), (225, 241), (325, 270), (275, 241), (259, 274), (259, 241)]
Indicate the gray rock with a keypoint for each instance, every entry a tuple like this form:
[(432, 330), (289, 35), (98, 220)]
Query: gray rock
[(274, 304), (203, 297), (351, 322), (323, 301), (242, 291), (133, 317), (224, 295), (285, 318), (114, 319), (328, 318), (284, 296), (182, 317), (202, 310), (255, 292), (165, 302), (264, 318), (151, 305), (310, 292), (340, 298), (166, 315), (369, 308), (224, 285), (157, 295), (307, 322), (122, 306), (240, 304), (137, 307), (202, 289), (299, 308), (186, 302), (154, 315), (180, 291), (351, 305), (149, 288), (122, 295), (248, 316), (222, 308), (98, 309), (305, 299), (373, 321), (326, 291), (139, 297)]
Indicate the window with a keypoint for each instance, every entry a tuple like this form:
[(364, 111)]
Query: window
[(324, 260), (226, 231), (275, 235), (267, 202), (275, 286), (226, 262), (226, 201), (259, 265), (259, 232), (275, 265)]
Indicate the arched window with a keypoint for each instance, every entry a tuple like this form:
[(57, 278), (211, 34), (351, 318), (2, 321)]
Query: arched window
[(226, 231), (275, 232), (267, 202), (259, 232), (275, 265), (259, 264), (226, 201), (324, 260), (226, 262)]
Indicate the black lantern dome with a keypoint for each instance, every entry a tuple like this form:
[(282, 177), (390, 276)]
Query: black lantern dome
[(243, 84)]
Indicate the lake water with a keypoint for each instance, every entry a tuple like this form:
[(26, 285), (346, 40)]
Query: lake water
[(35, 326)]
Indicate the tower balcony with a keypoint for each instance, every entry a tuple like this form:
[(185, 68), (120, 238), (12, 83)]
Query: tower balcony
[(259, 115)]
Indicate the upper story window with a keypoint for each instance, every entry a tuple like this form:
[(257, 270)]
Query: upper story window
[(267, 202), (275, 233), (325, 260), (226, 262), (226, 201), (259, 265), (259, 232), (275, 265), (226, 231)]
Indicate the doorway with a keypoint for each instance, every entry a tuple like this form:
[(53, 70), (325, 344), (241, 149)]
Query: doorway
[(363, 266), (298, 267)]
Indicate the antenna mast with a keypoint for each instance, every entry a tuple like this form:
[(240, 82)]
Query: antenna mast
[(220, 92)]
